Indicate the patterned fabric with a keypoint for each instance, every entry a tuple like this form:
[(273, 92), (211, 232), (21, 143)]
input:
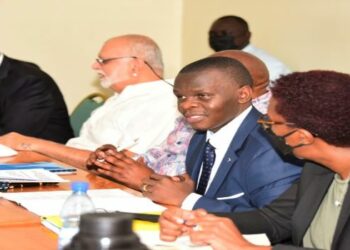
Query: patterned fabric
[(261, 102), (169, 157), (208, 162)]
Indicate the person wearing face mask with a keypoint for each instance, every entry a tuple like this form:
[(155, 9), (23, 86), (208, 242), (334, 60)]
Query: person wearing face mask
[(140, 114), (310, 113), (232, 32)]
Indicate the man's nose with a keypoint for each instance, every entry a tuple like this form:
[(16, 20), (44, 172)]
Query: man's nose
[(95, 65), (188, 103)]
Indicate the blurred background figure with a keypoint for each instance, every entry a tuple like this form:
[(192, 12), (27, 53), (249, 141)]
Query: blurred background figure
[(31, 102), (232, 32)]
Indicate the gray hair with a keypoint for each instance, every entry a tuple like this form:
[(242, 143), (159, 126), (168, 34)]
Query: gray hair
[(146, 49)]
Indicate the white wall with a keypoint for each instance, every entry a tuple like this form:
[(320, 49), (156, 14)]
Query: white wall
[(305, 34), (64, 36)]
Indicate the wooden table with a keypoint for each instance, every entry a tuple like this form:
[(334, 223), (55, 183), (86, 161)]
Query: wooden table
[(21, 229)]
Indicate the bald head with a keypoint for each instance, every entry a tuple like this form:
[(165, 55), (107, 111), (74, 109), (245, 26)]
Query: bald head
[(128, 60), (139, 46), (255, 67)]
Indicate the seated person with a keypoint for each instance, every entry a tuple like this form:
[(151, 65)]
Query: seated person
[(132, 66), (318, 217), (169, 157), (232, 32), (31, 102), (231, 165)]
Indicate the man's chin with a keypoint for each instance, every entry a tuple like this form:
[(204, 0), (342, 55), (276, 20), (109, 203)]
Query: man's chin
[(106, 84), (197, 127)]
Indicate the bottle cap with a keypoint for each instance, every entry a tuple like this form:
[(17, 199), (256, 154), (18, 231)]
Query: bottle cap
[(106, 224), (79, 186), (106, 231)]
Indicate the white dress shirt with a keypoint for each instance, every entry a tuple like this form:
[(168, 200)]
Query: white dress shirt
[(220, 141), (276, 67), (138, 118)]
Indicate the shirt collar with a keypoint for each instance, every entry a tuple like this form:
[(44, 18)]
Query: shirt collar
[(248, 48), (147, 86), (223, 137)]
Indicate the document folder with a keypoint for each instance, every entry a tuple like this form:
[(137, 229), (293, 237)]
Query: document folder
[(50, 166)]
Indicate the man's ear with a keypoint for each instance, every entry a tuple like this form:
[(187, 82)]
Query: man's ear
[(305, 137), (245, 94), (135, 68)]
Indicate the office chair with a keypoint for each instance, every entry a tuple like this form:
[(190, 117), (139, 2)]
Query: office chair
[(84, 109)]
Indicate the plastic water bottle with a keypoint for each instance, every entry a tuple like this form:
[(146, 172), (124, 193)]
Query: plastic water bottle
[(77, 203)]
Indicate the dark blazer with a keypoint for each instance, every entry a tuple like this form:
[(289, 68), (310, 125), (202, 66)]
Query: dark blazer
[(292, 213), (31, 102), (250, 166)]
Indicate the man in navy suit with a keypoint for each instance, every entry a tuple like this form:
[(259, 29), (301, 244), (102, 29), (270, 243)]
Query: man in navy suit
[(31, 102), (214, 95)]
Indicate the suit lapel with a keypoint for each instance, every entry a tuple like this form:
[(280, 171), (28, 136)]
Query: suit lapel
[(193, 165), (231, 157), (4, 68), (343, 218), (309, 204)]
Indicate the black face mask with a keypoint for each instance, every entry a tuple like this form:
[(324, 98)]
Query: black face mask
[(223, 42), (279, 142)]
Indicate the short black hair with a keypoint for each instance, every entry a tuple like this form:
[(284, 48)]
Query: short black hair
[(230, 66), (317, 101), (237, 19)]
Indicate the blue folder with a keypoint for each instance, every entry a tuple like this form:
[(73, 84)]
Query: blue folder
[(50, 166)]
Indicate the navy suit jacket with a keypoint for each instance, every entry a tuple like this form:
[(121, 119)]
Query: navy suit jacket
[(250, 166), (31, 102)]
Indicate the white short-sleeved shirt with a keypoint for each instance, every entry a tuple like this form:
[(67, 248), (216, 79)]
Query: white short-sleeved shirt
[(138, 118)]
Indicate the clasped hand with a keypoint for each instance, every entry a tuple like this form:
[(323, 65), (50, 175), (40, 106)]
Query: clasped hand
[(168, 190), (118, 165), (203, 229)]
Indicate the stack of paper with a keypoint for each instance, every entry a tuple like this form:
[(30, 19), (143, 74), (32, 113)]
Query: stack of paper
[(152, 240), (108, 200), (29, 176), (50, 166)]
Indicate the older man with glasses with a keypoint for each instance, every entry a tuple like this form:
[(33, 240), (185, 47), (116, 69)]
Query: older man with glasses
[(138, 116)]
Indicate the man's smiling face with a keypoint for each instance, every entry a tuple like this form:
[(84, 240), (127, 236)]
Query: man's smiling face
[(207, 99)]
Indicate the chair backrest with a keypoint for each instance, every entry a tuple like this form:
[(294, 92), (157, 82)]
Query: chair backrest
[(84, 109)]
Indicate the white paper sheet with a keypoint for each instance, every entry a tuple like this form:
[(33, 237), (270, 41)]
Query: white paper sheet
[(110, 200), (151, 239), (29, 176)]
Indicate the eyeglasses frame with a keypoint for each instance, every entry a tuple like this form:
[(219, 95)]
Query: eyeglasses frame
[(266, 123), (102, 61)]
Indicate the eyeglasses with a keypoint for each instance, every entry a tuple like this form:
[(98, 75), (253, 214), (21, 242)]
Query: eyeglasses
[(266, 123), (102, 61), (106, 60)]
